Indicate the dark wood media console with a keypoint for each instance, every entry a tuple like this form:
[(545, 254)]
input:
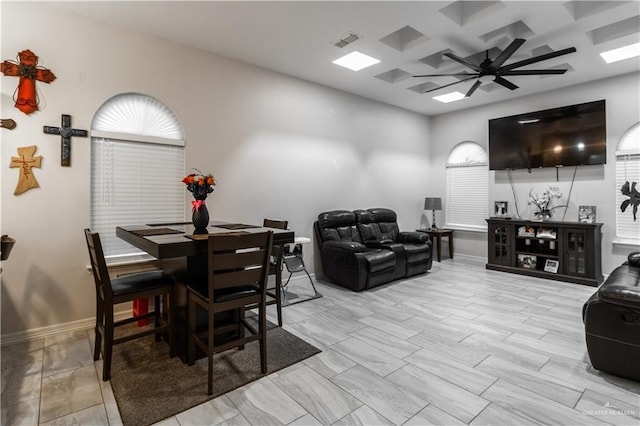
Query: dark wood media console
[(563, 251)]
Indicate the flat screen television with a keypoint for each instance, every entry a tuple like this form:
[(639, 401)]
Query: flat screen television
[(567, 136)]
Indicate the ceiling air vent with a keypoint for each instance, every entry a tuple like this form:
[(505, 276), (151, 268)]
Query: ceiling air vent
[(347, 40)]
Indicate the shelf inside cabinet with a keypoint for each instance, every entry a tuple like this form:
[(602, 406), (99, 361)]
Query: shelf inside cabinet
[(531, 253)]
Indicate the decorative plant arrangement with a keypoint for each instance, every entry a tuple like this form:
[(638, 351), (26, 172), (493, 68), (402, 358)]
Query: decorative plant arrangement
[(544, 202), (200, 185)]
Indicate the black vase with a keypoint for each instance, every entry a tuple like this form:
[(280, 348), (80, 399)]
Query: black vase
[(200, 218)]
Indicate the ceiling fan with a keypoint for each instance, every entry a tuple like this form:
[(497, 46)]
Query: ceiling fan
[(489, 69)]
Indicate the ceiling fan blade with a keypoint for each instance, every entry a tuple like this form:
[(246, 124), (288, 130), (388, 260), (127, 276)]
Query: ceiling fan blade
[(447, 85), (506, 83), (473, 88), (462, 61), (506, 53), (447, 75), (539, 58), (532, 72)]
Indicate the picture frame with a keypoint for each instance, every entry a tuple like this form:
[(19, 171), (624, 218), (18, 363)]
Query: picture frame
[(587, 214), (551, 265), (546, 233), (527, 261), (526, 231), (501, 208)]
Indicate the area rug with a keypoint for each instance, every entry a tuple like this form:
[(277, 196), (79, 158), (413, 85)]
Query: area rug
[(149, 386)]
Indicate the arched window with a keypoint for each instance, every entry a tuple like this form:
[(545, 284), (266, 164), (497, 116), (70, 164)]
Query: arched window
[(467, 187), (627, 170), (137, 164)]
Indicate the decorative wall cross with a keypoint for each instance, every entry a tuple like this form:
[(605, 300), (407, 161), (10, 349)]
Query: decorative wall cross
[(28, 70), (65, 131), (26, 161)]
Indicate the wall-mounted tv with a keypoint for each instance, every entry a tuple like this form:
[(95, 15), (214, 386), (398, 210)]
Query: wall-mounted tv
[(567, 136)]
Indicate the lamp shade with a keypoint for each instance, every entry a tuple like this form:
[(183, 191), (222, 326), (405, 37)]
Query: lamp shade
[(433, 203)]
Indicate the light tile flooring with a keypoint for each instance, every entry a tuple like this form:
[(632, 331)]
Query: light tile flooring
[(457, 345)]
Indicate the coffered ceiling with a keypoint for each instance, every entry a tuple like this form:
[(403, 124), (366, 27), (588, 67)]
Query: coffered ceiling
[(299, 38)]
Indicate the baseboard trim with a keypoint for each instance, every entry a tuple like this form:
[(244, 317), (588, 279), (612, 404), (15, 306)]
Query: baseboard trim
[(87, 323), (52, 330), (470, 257)]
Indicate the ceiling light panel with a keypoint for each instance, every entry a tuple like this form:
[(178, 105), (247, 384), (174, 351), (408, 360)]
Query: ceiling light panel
[(621, 53), (449, 97), (356, 61)]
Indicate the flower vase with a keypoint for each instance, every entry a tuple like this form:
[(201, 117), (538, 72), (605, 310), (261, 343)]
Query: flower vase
[(200, 217), (545, 215)]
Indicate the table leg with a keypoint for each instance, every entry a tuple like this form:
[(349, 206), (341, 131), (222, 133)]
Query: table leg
[(451, 245)]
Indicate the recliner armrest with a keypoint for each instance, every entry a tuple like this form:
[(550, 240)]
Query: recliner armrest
[(378, 244), (346, 246), (412, 237), (634, 259)]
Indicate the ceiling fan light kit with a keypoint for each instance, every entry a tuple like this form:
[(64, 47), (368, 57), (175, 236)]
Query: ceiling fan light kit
[(495, 70)]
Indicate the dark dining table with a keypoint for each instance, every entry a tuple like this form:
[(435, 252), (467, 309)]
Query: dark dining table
[(177, 240), (183, 254)]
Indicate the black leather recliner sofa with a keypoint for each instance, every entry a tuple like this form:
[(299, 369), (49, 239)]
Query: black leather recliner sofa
[(612, 322), (363, 249)]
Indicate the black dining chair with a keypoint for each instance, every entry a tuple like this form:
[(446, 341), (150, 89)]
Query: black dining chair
[(274, 294), (238, 266), (111, 292)]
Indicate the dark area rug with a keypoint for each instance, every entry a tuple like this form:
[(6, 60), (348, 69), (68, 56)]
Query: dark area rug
[(149, 386)]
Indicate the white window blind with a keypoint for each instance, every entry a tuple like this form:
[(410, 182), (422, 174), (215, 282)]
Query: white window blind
[(628, 170), (467, 197), (137, 164), (467, 187)]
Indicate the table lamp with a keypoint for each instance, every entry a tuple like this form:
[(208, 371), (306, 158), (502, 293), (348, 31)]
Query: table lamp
[(433, 204)]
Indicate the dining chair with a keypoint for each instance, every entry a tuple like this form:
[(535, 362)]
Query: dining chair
[(111, 292), (238, 267), (274, 294)]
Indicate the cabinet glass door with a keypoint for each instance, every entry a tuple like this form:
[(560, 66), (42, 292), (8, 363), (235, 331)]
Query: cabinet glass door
[(575, 262), (500, 250)]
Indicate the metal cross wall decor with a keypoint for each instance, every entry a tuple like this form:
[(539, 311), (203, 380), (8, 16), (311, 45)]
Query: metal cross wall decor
[(65, 131)]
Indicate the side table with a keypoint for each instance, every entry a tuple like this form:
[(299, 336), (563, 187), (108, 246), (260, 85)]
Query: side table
[(436, 239)]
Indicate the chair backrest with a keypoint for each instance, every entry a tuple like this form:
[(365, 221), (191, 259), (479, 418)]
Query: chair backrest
[(275, 223), (278, 250), (99, 266), (239, 260)]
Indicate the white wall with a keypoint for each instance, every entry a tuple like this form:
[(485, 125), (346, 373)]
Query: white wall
[(594, 185), (280, 148)]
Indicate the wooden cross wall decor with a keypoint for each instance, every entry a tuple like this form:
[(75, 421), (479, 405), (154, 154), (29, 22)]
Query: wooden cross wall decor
[(65, 131), (29, 72), (26, 161)]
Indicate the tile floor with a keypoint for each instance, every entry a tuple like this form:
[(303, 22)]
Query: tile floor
[(457, 345)]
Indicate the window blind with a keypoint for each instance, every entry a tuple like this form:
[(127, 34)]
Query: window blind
[(467, 196), (134, 183), (627, 170)]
